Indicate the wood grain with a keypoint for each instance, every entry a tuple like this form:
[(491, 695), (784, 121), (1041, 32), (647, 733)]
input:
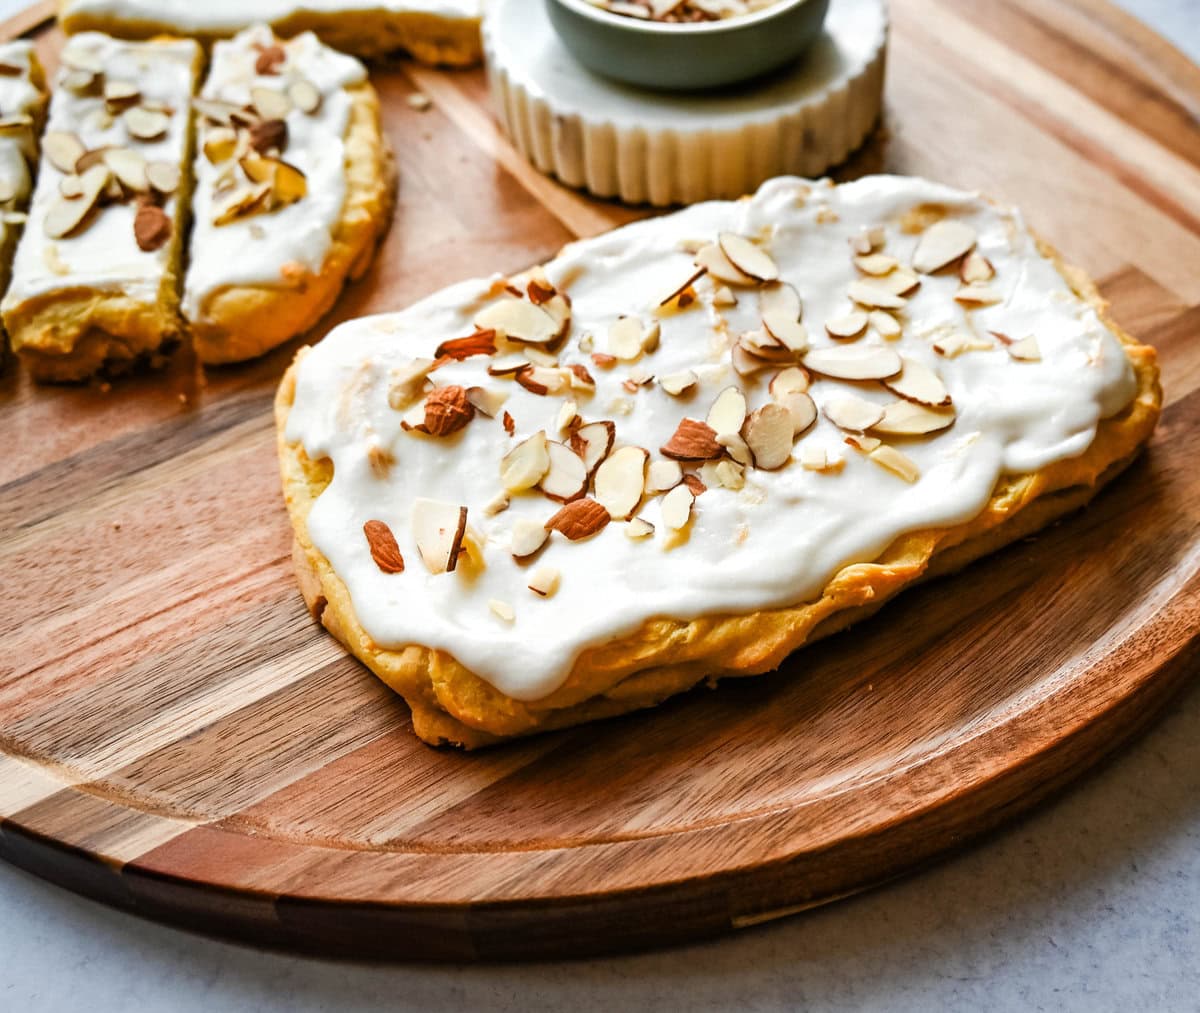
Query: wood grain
[(177, 738)]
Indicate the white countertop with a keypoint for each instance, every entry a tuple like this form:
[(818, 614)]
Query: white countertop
[(1091, 903)]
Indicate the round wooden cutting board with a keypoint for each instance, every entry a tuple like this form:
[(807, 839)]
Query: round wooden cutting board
[(178, 738)]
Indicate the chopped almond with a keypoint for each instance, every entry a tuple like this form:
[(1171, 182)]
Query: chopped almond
[(545, 581), (566, 477), (692, 441), (438, 529), (580, 519), (528, 536), (621, 481), (768, 433), (524, 466)]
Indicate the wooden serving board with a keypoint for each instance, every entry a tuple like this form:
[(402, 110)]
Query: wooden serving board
[(178, 738)]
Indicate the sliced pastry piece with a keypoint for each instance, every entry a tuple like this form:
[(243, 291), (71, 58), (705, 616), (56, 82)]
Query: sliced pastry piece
[(293, 190), (22, 110), (507, 504), (433, 31), (96, 276)]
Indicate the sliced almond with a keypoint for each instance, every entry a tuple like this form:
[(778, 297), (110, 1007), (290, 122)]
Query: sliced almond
[(304, 95), (289, 185), (119, 94), (723, 298), (768, 433), (867, 240), (488, 402), (684, 289), (581, 379), (849, 326), (663, 475), (146, 124), (81, 82), (713, 260), (875, 296), (382, 544), (941, 244), (545, 581), (502, 610), (438, 529), (975, 268), (544, 380), (405, 382), (736, 448), (592, 442), (802, 409), (519, 320), (508, 365), (693, 441), (746, 257), (220, 143), (638, 528), (728, 412), (863, 443), (215, 110), (566, 477), (854, 362), (676, 507), (875, 264), (917, 382), (243, 203), (786, 328), (497, 504), (65, 216), (978, 294), (901, 281), (763, 345), (625, 338), (728, 475), (70, 187), (270, 103), (904, 418), (129, 167), (1026, 350), (163, 177), (851, 413), (953, 345), (62, 150), (886, 325), (527, 537), (524, 466), (567, 417), (780, 299), (621, 481), (745, 363), (676, 384), (817, 458), (897, 463), (578, 520), (792, 380)]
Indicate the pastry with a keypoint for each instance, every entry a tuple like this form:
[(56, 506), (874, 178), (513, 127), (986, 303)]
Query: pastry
[(682, 450), (290, 197), (96, 276), (434, 31), (22, 108)]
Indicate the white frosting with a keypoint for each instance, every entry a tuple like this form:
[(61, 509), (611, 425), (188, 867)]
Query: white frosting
[(105, 255), (225, 17), (799, 526), (18, 97), (255, 249)]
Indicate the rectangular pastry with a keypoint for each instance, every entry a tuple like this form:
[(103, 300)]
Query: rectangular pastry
[(96, 276), (293, 189), (433, 31), (22, 109), (684, 449)]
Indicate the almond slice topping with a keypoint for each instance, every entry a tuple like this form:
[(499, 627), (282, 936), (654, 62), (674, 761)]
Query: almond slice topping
[(438, 529), (580, 519), (713, 260), (745, 363), (975, 267), (487, 402), (566, 477), (129, 167), (978, 294), (662, 476), (676, 507), (736, 447), (592, 442), (270, 103), (567, 418), (502, 610), (62, 150), (904, 418), (638, 528), (941, 244), (786, 329), (684, 289), (65, 216), (545, 581), (849, 326), (304, 95), (875, 264), (508, 365), (728, 412), (901, 281), (621, 481), (146, 124), (875, 296), (745, 256), (527, 537), (863, 443), (163, 177), (625, 338), (520, 321), (693, 441), (886, 325), (792, 380), (802, 409), (768, 433), (405, 382), (953, 345), (676, 384), (917, 382), (855, 362), (524, 466), (384, 549), (780, 300), (1026, 350), (851, 413), (897, 463)]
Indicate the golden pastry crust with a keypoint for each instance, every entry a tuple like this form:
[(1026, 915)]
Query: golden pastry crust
[(368, 32), (243, 321), (451, 705)]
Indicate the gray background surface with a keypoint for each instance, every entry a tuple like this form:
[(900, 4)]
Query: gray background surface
[(1091, 903)]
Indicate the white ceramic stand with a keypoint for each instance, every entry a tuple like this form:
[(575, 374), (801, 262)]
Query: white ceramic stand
[(671, 148)]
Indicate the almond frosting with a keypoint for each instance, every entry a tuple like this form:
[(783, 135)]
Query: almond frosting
[(105, 255), (779, 538), (225, 17), (256, 249)]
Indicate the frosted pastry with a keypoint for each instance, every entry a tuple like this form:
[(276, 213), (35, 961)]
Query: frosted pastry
[(684, 449), (96, 276), (293, 188), (434, 31), (22, 108)]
